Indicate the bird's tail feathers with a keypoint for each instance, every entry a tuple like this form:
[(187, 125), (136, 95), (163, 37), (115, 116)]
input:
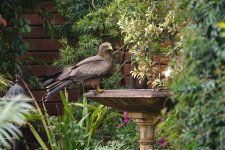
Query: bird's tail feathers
[(50, 79), (54, 84), (47, 82), (57, 87)]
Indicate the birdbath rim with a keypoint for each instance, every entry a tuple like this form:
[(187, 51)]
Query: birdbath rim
[(132, 100), (129, 93)]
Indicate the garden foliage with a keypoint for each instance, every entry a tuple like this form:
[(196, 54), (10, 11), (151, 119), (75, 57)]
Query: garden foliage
[(150, 28), (86, 126), (198, 120), (4, 83), (13, 48), (90, 21), (12, 45), (13, 114)]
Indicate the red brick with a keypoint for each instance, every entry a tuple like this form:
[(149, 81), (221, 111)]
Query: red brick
[(126, 69), (48, 57), (43, 44), (127, 80), (127, 56), (49, 6), (36, 32), (40, 94), (35, 19), (161, 59), (44, 70), (53, 108), (39, 32)]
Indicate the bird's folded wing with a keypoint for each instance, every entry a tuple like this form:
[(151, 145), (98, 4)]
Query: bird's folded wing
[(90, 59), (66, 73), (90, 70)]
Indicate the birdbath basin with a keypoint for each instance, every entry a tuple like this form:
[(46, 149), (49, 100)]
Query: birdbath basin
[(143, 105)]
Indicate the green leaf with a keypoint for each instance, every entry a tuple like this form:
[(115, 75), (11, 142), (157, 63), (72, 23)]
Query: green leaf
[(37, 136)]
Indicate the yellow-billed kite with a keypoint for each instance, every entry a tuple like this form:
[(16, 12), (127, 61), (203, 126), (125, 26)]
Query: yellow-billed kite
[(90, 70)]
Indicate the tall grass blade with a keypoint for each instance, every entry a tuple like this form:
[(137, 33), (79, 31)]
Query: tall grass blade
[(37, 136)]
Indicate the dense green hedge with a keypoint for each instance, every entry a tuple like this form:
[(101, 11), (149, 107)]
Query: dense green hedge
[(198, 121)]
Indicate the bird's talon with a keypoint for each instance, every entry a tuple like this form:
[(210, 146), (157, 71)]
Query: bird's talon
[(98, 90)]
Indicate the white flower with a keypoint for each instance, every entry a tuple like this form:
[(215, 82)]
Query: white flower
[(168, 72)]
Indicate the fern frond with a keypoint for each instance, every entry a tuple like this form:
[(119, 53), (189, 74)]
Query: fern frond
[(4, 83), (13, 114)]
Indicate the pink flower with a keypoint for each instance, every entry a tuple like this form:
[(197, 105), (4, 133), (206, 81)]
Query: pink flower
[(125, 117), (162, 142), (120, 125), (161, 119)]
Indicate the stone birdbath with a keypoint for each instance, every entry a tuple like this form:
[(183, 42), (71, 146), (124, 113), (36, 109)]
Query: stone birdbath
[(143, 105)]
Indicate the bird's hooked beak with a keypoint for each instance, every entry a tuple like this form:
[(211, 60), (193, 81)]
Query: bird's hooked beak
[(110, 48)]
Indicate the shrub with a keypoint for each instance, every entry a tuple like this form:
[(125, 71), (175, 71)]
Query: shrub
[(198, 120)]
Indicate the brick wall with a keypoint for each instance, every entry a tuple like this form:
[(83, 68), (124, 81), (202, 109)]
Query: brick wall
[(44, 48)]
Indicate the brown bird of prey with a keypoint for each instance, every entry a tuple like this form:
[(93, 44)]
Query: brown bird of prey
[(90, 70)]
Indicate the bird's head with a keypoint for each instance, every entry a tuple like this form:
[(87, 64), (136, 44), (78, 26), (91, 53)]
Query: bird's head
[(105, 48)]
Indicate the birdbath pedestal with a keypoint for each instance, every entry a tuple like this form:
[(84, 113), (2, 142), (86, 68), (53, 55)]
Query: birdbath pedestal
[(143, 105)]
